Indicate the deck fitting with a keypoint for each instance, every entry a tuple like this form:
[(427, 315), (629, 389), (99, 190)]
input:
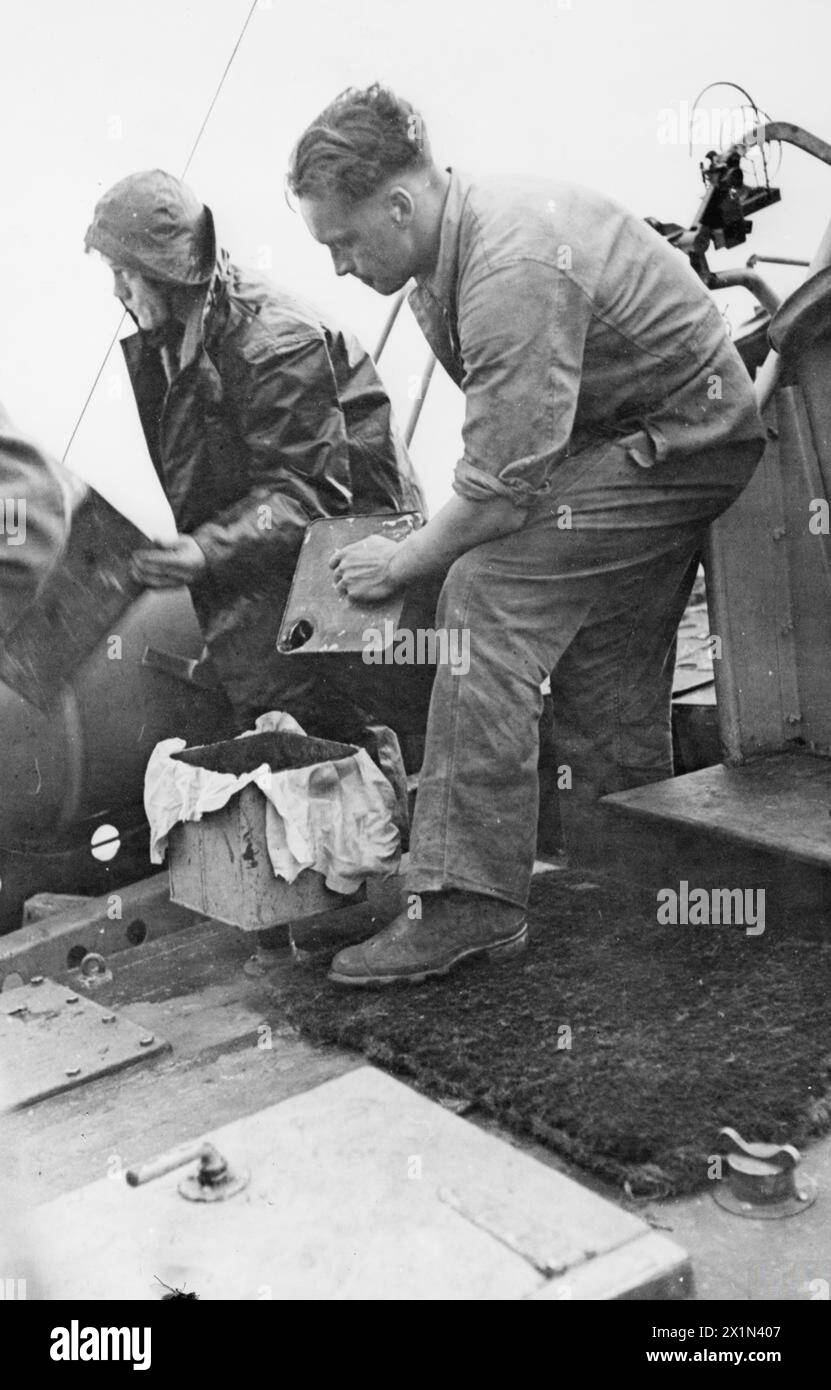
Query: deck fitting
[(763, 1180)]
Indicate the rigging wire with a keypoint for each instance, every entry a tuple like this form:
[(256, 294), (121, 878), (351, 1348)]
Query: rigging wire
[(187, 164)]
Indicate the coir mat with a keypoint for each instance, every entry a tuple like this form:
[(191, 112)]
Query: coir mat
[(621, 1044)]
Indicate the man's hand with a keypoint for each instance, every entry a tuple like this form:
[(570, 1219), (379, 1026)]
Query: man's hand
[(170, 564), (363, 570)]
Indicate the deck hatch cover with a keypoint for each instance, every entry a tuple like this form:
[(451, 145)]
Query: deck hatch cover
[(52, 1039)]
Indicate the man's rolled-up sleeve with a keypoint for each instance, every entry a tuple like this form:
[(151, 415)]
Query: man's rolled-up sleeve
[(522, 333)]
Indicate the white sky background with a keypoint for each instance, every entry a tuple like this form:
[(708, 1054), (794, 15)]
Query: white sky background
[(95, 89)]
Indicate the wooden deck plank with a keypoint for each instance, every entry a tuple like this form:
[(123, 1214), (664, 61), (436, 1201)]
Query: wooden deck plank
[(779, 804), (191, 989)]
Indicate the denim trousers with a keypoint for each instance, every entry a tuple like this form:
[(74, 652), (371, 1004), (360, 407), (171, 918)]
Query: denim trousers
[(590, 591)]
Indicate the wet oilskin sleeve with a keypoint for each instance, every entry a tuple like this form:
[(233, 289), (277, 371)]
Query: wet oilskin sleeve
[(522, 334), (36, 501), (289, 421)]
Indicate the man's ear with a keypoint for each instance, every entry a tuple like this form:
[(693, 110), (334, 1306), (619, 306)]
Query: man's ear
[(401, 206)]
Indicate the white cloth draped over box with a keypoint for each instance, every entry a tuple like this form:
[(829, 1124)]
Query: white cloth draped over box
[(335, 817)]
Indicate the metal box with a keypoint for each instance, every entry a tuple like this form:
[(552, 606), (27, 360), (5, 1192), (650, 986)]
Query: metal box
[(319, 619), (220, 866)]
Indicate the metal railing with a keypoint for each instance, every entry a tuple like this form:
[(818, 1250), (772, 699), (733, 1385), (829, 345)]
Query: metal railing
[(426, 375)]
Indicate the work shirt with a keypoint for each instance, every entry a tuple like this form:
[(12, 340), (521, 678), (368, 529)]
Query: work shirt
[(565, 319)]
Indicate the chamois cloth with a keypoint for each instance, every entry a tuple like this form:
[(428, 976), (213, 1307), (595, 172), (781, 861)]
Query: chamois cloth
[(336, 817)]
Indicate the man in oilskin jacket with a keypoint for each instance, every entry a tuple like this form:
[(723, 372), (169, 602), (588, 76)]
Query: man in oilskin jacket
[(259, 417)]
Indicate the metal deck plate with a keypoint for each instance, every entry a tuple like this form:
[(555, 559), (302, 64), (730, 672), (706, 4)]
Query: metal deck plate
[(52, 1039), (360, 1189)]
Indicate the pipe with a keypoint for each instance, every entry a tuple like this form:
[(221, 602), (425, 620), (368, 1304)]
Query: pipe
[(768, 374), (749, 280), (789, 134), (418, 403), (774, 260), (390, 321), (169, 1162)]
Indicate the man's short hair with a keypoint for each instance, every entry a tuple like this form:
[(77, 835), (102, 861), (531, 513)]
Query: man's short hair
[(362, 139)]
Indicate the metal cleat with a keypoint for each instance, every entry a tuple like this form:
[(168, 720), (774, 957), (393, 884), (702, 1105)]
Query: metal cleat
[(762, 1180)]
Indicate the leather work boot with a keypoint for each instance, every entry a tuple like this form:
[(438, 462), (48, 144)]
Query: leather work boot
[(454, 925)]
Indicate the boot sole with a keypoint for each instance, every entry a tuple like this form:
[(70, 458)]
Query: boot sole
[(502, 951)]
